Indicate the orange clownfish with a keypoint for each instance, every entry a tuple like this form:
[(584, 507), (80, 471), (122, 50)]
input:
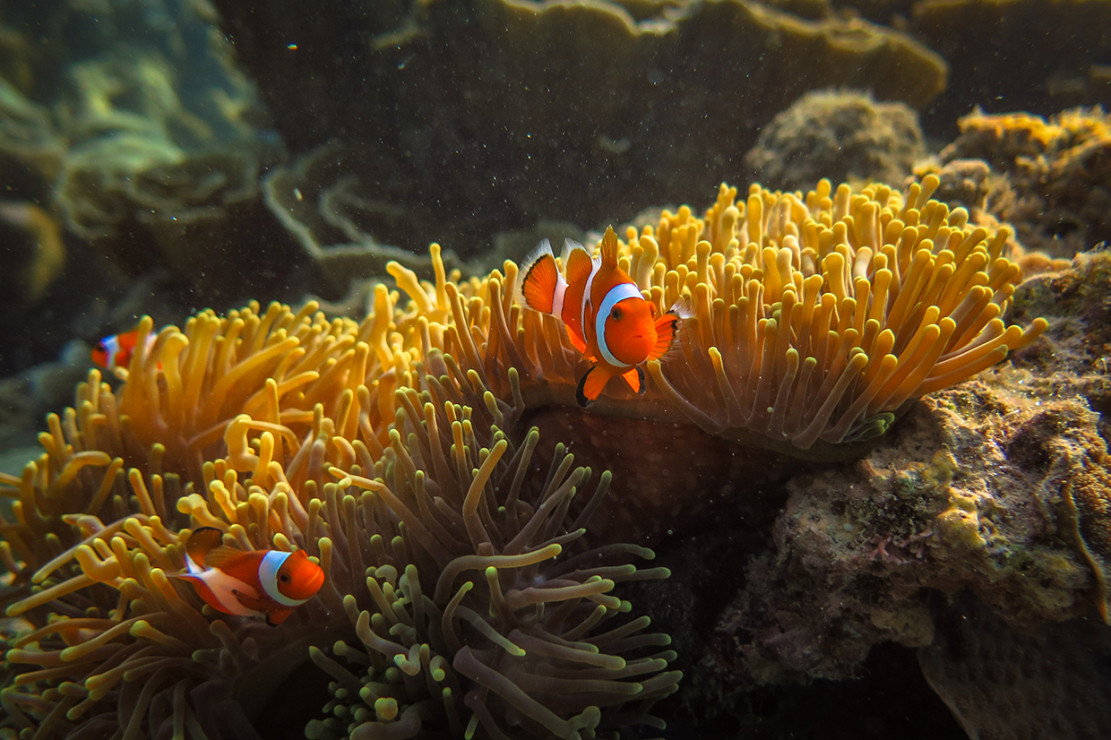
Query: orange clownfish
[(607, 318), (258, 583), (115, 352)]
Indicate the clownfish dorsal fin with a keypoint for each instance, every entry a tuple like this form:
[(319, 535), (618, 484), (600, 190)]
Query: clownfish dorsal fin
[(201, 542), (577, 263), (539, 279), (219, 557), (609, 247)]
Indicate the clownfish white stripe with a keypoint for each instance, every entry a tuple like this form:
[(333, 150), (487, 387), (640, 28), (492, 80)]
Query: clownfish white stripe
[(111, 346), (597, 263), (616, 294), (268, 578), (557, 297), (224, 588)]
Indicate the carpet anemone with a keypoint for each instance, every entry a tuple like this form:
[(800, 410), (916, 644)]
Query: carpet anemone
[(460, 596)]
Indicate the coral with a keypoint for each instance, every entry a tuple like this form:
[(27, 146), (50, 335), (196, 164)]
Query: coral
[(344, 228), (454, 567), (129, 123), (159, 147), (474, 107), (1040, 56), (840, 135), (33, 248), (1057, 180)]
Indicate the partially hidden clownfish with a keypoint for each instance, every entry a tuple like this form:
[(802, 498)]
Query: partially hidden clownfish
[(607, 318), (115, 352), (255, 583)]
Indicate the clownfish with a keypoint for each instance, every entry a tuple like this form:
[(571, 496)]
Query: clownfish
[(607, 318), (115, 352), (258, 583)]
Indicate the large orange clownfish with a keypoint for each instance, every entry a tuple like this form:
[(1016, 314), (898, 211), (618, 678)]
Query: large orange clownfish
[(607, 318), (256, 583)]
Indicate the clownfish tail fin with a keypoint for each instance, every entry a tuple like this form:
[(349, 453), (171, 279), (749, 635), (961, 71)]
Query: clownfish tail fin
[(539, 279), (682, 307)]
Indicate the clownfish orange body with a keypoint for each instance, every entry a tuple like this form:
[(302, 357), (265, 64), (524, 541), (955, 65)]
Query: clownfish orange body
[(256, 583), (607, 318), (115, 352)]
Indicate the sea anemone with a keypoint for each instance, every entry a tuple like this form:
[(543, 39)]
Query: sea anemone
[(816, 316), (454, 562), (462, 594), (819, 315)]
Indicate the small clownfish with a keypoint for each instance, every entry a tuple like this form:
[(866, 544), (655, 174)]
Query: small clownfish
[(258, 583), (115, 352), (607, 318)]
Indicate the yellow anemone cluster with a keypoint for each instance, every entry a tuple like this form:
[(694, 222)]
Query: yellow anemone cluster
[(818, 315), (460, 596), (815, 316)]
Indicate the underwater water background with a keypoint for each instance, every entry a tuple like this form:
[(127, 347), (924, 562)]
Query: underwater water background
[(944, 580)]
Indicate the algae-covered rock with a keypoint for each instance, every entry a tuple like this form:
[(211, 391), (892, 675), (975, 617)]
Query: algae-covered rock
[(1057, 173), (840, 134), (1034, 55)]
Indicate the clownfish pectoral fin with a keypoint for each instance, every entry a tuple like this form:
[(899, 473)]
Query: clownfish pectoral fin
[(591, 384), (635, 379), (275, 617), (667, 335), (540, 279)]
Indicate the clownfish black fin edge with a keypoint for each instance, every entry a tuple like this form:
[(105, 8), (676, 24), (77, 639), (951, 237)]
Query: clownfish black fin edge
[(580, 394)]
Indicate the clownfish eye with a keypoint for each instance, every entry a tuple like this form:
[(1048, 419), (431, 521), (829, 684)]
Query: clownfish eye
[(615, 314), (284, 578)]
